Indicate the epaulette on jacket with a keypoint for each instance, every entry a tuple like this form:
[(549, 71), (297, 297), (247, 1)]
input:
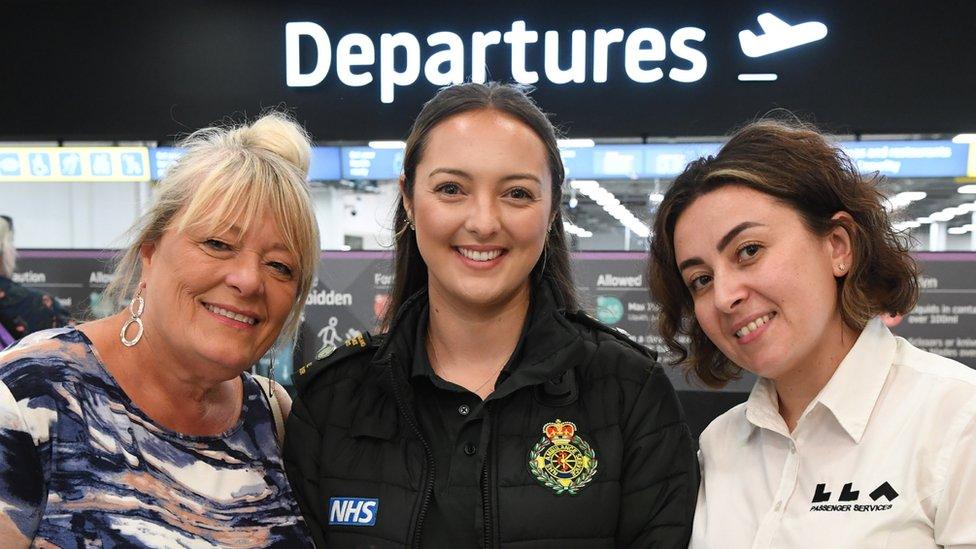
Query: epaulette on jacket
[(330, 354), (622, 336)]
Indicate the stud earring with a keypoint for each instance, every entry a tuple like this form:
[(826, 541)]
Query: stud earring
[(136, 307), (841, 267)]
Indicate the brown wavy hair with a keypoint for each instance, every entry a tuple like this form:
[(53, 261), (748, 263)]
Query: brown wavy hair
[(797, 166)]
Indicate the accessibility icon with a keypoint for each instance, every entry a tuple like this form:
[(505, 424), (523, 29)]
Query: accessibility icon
[(132, 164), (40, 164), (9, 164), (101, 164), (70, 164)]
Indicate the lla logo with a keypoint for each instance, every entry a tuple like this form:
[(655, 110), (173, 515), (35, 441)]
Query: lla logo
[(847, 499), (353, 511)]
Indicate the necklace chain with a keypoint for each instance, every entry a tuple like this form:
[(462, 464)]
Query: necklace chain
[(433, 352)]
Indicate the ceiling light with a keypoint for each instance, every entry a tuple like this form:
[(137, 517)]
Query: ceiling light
[(387, 144), (967, 189), (576, 230), (958, 230), (941, 216), (903, 199), (656, 198), (611, 205), (965, 138), (575, 143)]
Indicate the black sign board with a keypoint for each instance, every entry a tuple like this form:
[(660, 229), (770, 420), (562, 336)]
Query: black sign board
[(149, 70)]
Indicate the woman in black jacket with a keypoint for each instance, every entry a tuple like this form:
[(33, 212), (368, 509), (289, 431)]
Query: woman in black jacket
[(490, 412)]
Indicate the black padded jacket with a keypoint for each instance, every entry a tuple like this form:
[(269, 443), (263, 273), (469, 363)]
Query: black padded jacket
[(629, 476)]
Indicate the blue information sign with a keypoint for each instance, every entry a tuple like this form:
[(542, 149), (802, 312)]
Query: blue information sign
[(324, 165), (370, 163), (909, 158)]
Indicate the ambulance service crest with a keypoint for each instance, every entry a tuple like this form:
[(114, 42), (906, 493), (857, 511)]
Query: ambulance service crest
[(562, 460)]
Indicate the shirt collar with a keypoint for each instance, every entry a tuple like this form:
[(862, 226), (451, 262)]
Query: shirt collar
[(850, 394), (853, 390)]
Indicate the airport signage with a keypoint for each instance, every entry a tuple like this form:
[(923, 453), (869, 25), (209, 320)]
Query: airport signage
[(74, 164), (362, 72), (646, 54), (894, 159)]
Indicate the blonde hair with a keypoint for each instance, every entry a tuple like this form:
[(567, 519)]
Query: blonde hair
[(8, 254), (229, 176)]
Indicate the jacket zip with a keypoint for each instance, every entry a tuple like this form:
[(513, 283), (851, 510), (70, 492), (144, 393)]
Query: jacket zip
[(486, 481), (428, 490)]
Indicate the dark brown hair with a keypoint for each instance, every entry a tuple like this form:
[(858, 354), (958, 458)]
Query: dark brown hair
[(409, 268), (796, 165)]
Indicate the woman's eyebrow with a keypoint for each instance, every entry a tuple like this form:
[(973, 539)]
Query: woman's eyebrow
[(722, 243), (734, 232)]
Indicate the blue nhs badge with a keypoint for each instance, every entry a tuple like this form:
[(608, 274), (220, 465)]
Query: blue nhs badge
[(353, 511)]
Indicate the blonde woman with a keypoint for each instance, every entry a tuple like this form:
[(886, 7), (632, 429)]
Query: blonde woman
[(144, 428)]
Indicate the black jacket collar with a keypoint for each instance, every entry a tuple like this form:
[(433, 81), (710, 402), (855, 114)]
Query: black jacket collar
[(550, 345)]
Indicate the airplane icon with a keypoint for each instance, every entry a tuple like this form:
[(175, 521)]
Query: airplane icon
[(779, 35)]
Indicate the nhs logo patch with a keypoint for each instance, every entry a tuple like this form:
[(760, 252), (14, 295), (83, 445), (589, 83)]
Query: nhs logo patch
[(353, 511)]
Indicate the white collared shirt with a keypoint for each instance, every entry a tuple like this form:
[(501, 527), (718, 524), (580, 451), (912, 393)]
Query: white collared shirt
[(884, 456)]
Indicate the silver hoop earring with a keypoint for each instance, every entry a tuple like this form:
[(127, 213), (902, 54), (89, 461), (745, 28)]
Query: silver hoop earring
[(136, 307)]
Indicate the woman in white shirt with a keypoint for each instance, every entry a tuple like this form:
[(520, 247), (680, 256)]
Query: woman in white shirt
[(776, 257)]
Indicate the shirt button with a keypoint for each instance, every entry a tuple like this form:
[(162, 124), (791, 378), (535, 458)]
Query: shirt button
[(779, 505), (464, 409), (470, 449)]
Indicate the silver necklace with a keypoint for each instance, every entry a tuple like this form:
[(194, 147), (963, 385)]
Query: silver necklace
[(440, 371)]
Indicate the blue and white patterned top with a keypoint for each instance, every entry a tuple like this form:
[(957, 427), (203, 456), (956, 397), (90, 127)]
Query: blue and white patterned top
[(81, 465)]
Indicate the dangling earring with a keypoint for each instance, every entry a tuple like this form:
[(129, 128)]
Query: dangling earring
[(136, 307), (411, 225)]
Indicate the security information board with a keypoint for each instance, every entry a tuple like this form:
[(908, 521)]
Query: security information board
[(352, 290)]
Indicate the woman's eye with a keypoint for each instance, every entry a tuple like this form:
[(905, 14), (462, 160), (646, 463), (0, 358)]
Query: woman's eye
[(699, 282), (449, 189), (748, 251), (216, 245), (519, 193), (281, 268)]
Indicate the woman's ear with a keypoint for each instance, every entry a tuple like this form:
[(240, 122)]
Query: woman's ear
[(407, 202), (146, 252), (840, 244)]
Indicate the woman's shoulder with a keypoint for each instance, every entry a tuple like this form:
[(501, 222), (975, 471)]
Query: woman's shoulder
[(949, 386), (615, 351), (334, 363), (45, 358), (729, 430)]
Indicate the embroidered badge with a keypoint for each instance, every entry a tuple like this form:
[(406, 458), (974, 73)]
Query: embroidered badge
[(353, 511), (356, 341), (325, 351), (562, 460)]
